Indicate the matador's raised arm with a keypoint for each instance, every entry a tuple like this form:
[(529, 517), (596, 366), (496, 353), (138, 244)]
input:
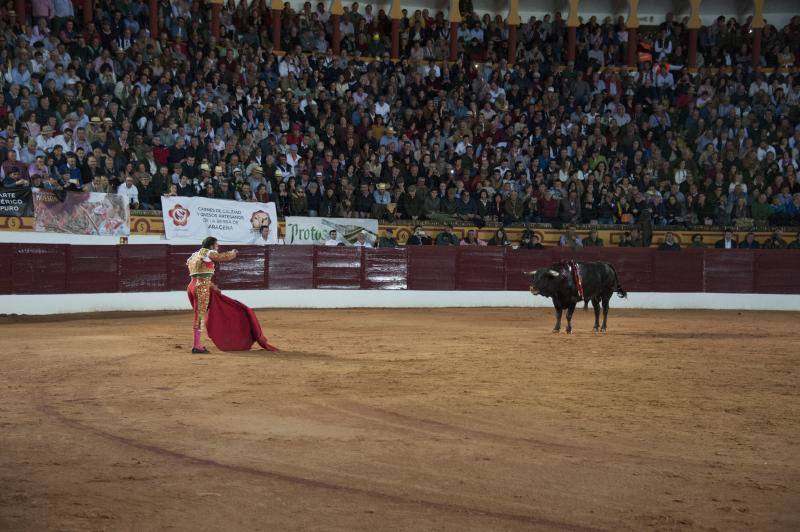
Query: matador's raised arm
[(226, 256)]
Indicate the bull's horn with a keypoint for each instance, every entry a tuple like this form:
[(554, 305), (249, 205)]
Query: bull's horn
[(529, 273), (553, 273)]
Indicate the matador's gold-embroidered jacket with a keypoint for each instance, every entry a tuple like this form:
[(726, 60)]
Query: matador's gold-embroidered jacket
[(201, 262)]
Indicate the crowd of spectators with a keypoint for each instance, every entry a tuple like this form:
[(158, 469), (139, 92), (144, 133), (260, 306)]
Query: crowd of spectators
[(633, 238), (484, 38), (107, 107)]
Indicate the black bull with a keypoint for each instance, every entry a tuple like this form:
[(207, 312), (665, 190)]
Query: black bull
[(599, 280)]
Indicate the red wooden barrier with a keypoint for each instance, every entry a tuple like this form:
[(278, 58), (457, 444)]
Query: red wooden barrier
[(92, 269), (39, 269), (481, 268), (247, 272), (291, 267), (54, 269), (337, 267), (777, 272), (579, 254), (385, 269), (634, 267), (729, 271), (432, 268), (7, 253), (143, 268), (678, 271)]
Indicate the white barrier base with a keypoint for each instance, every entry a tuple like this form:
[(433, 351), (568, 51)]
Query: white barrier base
[(156, 301)]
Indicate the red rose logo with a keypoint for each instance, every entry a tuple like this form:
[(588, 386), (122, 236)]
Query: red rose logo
[(179, 215)]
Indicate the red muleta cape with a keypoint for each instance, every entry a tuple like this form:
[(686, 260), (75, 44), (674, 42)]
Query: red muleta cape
[(232, 325)]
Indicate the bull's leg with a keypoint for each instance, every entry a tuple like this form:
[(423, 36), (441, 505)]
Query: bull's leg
[(570, 311), (596, 307), (557, 328), (605, 312)]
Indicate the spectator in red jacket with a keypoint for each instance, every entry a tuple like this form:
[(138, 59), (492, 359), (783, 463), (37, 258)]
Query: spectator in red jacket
[(549, 208), (160, 153)]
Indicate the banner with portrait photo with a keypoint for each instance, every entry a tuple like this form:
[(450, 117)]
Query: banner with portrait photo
[(16, 202), (81, 213), (305, 230), (227, 220)]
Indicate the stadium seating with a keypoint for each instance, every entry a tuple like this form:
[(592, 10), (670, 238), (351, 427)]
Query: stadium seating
[(246, 103)]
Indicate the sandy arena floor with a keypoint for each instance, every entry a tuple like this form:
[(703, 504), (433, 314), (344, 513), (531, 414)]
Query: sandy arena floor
[(403, 420)]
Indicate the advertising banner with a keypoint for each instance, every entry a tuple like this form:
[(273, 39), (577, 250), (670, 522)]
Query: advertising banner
[(81, 213), (16, 202), (305, 230), (226, 220)]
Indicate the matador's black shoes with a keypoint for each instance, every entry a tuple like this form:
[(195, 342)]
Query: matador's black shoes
[(200, 351)]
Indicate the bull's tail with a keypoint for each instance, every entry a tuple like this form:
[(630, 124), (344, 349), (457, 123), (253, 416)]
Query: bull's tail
[(618, 288)]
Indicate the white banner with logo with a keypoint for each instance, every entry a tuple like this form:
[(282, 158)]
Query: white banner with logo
[(303, 230), (226, 220)]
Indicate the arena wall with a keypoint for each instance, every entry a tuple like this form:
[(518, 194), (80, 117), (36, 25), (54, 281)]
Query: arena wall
[(51, 278)]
